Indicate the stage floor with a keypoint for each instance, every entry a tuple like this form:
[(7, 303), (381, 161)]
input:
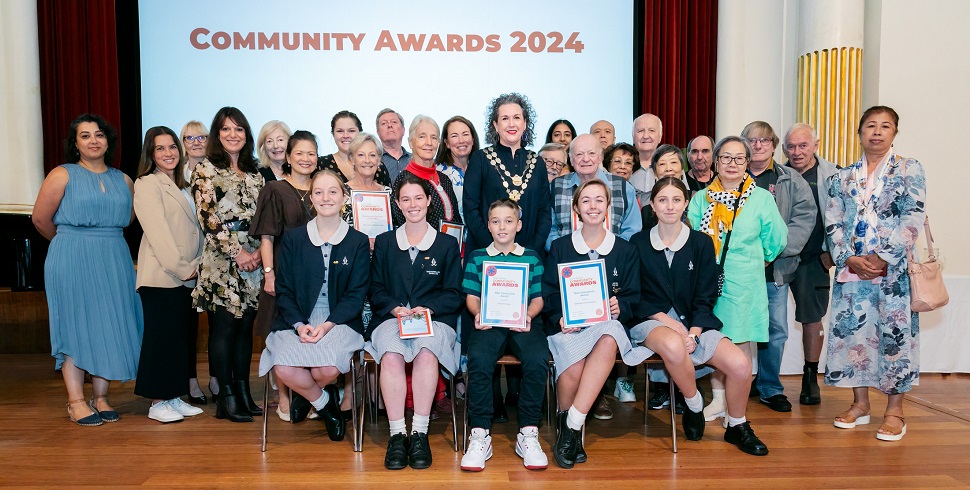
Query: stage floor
[(40, 447)]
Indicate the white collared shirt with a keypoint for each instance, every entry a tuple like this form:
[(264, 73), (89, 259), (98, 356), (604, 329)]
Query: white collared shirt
[(603, 249), (314, 233), (658, 243), (516, 250)]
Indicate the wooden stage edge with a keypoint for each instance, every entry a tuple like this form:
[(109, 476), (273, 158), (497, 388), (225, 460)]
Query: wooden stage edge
[(41, 448)]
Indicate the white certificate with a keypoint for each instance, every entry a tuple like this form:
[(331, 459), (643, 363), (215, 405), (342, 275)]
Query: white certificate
[(577, 223), (371, 211), (454, 229), (505, 297), (415, 325), (585, 300)]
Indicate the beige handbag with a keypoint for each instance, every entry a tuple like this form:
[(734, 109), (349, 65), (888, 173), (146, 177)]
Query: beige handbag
[(926, 289)]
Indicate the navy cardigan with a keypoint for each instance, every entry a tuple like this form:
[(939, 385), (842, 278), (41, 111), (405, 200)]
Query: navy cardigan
[(623, 278), (688, 285), (300, 275), (432, 281)]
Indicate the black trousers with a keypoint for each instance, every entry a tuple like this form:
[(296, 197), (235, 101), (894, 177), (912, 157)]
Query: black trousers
[(230, 345), (484, 349), (162, 367), (191, 343)]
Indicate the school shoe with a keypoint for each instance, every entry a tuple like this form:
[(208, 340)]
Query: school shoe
[(693, 423), (183, 408), (623, 391), (479, 450), (396, 457), (661, 399), (566, 443), (743, 437), (332, 418), (419, 454), (778, 403), (602, 409), (528, 448), (164, 413)]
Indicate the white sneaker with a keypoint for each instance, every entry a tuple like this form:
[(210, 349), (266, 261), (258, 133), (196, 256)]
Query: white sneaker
[(715, 410), (528, 448), (164, 413), (183, 408), (479, 450), (624, 391)]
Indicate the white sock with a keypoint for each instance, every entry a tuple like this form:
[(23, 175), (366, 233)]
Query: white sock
[(717, 395), (398, 427), (695, 403), (575, 419), (420, 423), (735, 421), (321, 402)]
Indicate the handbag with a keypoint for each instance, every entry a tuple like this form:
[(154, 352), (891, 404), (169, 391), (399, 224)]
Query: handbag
[(927, 292), (727, 239)]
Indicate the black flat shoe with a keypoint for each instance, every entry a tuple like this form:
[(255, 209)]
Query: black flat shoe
[(198, 400), (566, 446), (331, 415), (810, 395), (396, 457), (299, 407), (419, 454), (743, 437), (693, 423), (580, 450), (778, 403)]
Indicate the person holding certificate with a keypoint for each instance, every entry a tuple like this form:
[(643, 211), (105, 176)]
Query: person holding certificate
[(423, 139), (321, 284), (588, 291), (415, 295), (678, 290), (365, 155), (503, 283)]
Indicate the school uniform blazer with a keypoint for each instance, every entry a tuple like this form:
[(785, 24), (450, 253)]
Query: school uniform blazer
[(432, 281), (623, 279), (300, 272), (688, 285), (171, 248)]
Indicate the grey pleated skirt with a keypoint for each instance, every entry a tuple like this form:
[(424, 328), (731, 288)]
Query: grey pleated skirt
[(283, 348), (701, 354), (387, 338), (569, 348)]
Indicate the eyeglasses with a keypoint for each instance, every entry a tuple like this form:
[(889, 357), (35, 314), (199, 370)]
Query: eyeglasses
[(729, 160), (762, 141), (554, 163), (616, 162), (200, 138)]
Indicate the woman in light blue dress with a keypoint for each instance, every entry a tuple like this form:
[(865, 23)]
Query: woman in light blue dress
[(95, 315)]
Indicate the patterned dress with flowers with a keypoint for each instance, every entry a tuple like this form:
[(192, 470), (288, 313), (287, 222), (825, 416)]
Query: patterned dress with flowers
[(225, 201), (874, 335)]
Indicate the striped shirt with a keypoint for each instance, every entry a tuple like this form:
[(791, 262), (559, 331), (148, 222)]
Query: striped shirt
[(472, 283)]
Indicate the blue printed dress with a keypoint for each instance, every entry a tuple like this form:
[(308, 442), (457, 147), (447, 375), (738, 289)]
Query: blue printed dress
[(95, 314), (873, 334)]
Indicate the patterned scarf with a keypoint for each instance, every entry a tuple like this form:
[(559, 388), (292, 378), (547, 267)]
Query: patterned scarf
[(864, 238), (719, 216)]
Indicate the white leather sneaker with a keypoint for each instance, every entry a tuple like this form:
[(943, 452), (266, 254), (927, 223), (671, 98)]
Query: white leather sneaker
[(164, 413), (479, 450), (528, 448), (183, 408), (624, 391)]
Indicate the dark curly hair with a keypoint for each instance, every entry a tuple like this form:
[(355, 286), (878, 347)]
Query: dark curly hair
[(217, 154), (71, 152), (528, 136)]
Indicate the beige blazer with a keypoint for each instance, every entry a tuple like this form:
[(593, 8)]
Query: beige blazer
[(171, 247)]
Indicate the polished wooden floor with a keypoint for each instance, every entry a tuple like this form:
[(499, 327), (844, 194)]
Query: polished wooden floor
[(40, 447)]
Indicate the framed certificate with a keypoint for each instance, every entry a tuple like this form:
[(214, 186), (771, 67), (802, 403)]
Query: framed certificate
[(577, 224), (415, 325), (505, 298), (453, 229), (585, 299), (371, 211)]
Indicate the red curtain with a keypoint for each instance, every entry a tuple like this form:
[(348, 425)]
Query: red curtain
[(679, 66), (78, 69)]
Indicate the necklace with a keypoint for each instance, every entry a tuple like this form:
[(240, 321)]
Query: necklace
[(520, 181)]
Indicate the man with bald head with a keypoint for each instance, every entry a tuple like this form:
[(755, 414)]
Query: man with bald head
[(810, 286), (647, 132), (603, 131), (700, 157)]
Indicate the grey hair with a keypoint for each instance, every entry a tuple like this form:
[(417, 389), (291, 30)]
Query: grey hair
[(641, 116), (362, 138), (417, 121), (552, 147), (692, 140), (798, 126), (388, 110)]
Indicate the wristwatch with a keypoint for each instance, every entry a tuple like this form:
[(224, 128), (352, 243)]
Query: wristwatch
[(267, 269), (697, 339)]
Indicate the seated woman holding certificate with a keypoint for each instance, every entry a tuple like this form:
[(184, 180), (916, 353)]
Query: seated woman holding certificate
[(504, 306), (415, 295), (321, 283), (678, 287), (588, 291)]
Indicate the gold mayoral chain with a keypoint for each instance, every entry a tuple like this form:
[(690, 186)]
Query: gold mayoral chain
[(520, 181)]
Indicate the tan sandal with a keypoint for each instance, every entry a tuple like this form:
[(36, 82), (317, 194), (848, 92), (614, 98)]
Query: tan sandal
[(855, 415), (891, 432)]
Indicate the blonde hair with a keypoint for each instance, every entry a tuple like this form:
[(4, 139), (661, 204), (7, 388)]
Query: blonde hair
[(261, 139), (195, 126)]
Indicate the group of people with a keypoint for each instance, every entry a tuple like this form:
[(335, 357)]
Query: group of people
[(269, 245)]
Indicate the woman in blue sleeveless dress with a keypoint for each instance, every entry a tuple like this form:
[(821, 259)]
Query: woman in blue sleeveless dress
[(95, 315)]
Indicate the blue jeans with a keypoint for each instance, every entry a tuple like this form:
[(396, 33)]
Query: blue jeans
[(769, 354)]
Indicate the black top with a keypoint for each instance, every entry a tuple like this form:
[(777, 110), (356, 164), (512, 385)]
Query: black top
[(437, 212), (767, 180), (688, 285), (327, 162), (813, 247), (483, 186), (624, 280), (267, 174), (300, 274), (432, 281), (695, 185)]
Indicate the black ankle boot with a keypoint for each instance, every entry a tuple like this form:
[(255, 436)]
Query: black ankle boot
[(246, 398), (227, 406), (811, 395)]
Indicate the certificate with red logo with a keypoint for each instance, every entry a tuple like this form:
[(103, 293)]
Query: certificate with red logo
[(585, 300), (415, 325), (505, 288), (371, 211)]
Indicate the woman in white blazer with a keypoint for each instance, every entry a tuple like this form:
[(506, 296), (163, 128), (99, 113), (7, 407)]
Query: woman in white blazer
[(168, 259)]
